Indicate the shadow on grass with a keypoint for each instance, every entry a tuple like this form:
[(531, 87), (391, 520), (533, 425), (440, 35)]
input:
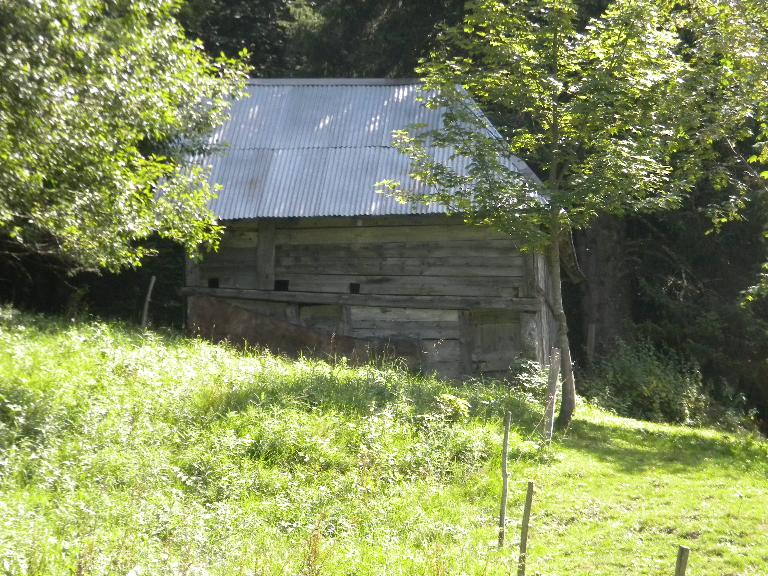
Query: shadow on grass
[(639, 449), (367, 389)]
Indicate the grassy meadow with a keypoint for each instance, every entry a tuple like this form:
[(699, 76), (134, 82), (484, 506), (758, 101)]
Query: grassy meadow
[(137, 453)]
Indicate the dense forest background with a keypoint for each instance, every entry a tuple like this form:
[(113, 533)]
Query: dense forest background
[(674, 282)]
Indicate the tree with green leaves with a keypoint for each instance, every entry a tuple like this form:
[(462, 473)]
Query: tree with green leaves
[(100, 101), (262, 27), (619, 114), (321, 37)]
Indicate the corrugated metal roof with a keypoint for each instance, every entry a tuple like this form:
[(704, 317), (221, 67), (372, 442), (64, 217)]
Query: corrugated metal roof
[(305, 148)]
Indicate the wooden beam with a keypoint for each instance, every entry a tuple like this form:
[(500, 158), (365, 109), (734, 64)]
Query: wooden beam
[(682, 560), (392, 301), (348, 221), (466, 342), (530, 288), (192, 272), (265, 256), (522, 559)]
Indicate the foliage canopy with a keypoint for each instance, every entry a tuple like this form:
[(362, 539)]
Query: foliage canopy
[(330, 38), (98, 103), (621, 113)]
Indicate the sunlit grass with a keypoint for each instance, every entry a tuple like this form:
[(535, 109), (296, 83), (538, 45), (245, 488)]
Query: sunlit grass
[(124, 452)]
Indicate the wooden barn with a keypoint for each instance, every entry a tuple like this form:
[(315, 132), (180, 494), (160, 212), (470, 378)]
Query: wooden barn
[(314, 258)]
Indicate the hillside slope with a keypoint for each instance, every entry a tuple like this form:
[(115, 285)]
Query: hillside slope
[(124, 452)]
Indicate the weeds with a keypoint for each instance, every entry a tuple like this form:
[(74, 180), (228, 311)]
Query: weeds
[(312, 559), (640, 381), (124, 452)]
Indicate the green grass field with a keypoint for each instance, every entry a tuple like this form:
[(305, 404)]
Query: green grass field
[(124, 452)]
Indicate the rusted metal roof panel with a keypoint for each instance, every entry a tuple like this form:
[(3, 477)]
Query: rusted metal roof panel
[(309, 148)]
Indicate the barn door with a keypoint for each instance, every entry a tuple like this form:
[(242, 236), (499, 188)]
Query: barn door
[(494, 339)]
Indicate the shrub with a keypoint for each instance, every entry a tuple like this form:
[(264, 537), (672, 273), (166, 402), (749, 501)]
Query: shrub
[(640, 381)]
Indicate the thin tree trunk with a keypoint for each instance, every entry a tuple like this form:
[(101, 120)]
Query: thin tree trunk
[(556, 170), (568, 402)]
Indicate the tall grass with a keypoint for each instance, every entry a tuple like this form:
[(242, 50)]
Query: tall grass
[(128, 452), (138, 451)]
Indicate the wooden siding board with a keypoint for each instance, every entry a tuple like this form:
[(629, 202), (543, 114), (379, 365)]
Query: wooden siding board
[(414, 330), (442, 356), (466, 266), (240, 256), (277, 310), (379, 234), (394, 301), (496, 339), (529, 271), (192, 273), (504, 250), (379, 313), (229, 276), (406, 285), (466, 342), (417, 323), (497, 361), (326, 317), (265, 257), (219, 318), (239, 238)]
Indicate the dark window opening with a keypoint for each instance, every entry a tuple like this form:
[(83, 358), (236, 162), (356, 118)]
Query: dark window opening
[(213, 282), (354, 288), (281, 285)]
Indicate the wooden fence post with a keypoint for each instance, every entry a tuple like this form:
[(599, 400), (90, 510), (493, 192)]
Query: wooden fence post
[(549, 410), (524, 531), (682, 560), (145, 311), (504, 481)]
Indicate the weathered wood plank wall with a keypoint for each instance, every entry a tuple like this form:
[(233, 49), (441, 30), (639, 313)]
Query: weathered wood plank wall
[(431, 259)]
